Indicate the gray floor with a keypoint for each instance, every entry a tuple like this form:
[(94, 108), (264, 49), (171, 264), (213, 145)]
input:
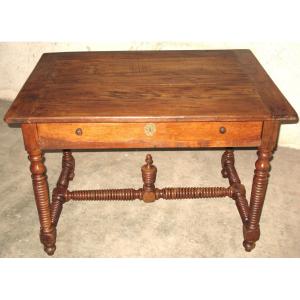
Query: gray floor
[(183, 228)]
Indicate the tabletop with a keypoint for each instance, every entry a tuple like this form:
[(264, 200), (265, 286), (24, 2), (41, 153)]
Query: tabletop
[(146, 86)]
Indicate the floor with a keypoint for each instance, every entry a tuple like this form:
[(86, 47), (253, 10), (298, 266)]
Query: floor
[(178, 228)]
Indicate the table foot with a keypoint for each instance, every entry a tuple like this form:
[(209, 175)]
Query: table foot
[(249, 246), (48, 239), (50, 250)]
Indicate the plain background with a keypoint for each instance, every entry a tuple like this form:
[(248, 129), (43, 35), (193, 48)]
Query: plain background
[(127, 22)]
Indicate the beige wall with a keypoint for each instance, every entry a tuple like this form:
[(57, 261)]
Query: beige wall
[(281, 61)]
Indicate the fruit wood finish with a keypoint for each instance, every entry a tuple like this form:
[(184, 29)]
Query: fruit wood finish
[(143, 135), (149, 99), (67, 174), (40, 187)]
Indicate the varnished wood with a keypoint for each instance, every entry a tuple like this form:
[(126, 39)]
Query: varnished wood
[(40, 187), (149, 99), (149, 86), (67, 174), (239, 192), (149, 193), (149, 176), (260, 183), (134, 135), (171, 193), (272, 98)]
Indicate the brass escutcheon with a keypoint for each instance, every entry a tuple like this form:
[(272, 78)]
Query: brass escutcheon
[(150, 129)]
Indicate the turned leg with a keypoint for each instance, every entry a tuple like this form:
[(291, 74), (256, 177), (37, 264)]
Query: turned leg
[(260, 182), (41, 193), (58, 194), (259, 188), (40, 187)]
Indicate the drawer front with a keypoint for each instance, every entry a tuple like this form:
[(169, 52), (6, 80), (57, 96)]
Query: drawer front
[(149, 135)]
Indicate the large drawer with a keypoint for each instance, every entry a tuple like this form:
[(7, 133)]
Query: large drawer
[(148, 135)]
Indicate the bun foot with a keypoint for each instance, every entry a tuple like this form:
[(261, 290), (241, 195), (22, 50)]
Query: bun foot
[(249, 245), (48, 240), (50, 250)]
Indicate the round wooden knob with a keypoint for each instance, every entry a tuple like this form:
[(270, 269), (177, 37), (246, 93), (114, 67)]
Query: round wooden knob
[(78, 131), (222, 130)]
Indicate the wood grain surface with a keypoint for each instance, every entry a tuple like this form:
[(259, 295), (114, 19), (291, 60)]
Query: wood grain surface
[(149, 86), (143, 135), (149, 99)]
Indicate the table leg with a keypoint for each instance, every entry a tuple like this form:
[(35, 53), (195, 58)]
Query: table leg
[(58, 195), (259, 188), (40, 187), (260, 182), (41, 193), (229, 171)]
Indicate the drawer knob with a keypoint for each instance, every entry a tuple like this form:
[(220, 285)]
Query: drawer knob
[(222, 130), (150, 129), (78, 131)]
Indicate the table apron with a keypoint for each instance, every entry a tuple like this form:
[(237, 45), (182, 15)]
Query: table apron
[(149, 135)]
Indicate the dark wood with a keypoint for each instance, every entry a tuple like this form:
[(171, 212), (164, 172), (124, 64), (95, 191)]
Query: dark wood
[(149, 193), (260, 183), (67, 174), (149, 86), (40, 187), (174, 193), (239, 191), (149, 176), (149, 99)]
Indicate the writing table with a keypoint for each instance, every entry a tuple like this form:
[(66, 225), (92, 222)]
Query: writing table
[(149, 99)]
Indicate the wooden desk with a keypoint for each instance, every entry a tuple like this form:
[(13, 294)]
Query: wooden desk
[(149, 99)]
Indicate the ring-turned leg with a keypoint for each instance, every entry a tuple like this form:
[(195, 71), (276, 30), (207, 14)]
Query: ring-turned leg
[(258, 192), (40, 187), (67, 174), (41, 193), (260, 182)]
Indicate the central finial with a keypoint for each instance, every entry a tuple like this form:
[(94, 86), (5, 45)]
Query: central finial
[(149, 176), (149, 160)]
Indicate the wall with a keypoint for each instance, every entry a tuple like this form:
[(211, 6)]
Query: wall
[(281, 61)]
